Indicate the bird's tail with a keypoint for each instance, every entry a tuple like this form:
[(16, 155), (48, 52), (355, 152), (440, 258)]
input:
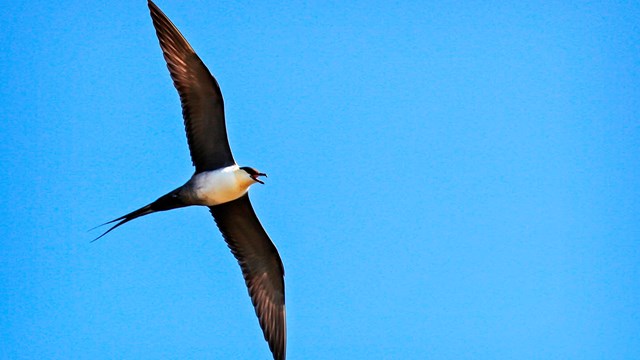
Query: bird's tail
[(165, 202)]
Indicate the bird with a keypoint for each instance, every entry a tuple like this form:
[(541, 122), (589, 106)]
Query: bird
[(219, 183)]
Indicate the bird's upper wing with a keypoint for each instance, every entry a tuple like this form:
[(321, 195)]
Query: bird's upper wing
[(202, 105), (261, 267)]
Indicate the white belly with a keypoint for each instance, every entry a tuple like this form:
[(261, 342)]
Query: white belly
[(216, 187)]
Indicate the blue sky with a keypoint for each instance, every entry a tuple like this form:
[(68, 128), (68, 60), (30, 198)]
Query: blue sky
[(447, 180)]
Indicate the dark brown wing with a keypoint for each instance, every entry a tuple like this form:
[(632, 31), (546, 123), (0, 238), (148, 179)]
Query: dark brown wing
[(261, 266), (202, 105)]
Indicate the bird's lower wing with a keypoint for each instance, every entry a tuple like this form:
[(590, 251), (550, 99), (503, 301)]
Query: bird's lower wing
[(261, 267)]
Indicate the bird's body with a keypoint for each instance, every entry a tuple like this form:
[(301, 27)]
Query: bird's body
[(219, 183), (216, 187)]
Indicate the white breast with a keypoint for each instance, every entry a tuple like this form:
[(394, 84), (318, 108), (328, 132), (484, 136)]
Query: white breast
[(216, 187)]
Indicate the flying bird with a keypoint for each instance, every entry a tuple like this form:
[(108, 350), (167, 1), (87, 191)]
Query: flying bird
[(219, 183)]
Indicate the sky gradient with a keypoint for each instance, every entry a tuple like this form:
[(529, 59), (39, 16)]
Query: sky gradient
[(454, 180)]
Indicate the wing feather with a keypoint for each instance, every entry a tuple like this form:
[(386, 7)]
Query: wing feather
[(200, 96), (261, 267)]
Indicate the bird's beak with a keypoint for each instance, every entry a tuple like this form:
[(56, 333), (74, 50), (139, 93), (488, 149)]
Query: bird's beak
[(255, 177)]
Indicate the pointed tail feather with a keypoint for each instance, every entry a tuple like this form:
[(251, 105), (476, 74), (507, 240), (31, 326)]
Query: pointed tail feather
[(165, 202), (125, 219)]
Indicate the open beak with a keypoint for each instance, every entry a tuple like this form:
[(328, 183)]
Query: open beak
[(255, 177)]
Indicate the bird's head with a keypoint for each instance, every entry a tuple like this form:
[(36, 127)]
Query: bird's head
[(253, 173)]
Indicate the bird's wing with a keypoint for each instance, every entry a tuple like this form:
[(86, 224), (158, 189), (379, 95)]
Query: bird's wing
[(261, 267), (202, 105)]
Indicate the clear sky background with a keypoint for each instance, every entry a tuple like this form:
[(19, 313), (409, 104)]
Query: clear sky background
[(447, 180)]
